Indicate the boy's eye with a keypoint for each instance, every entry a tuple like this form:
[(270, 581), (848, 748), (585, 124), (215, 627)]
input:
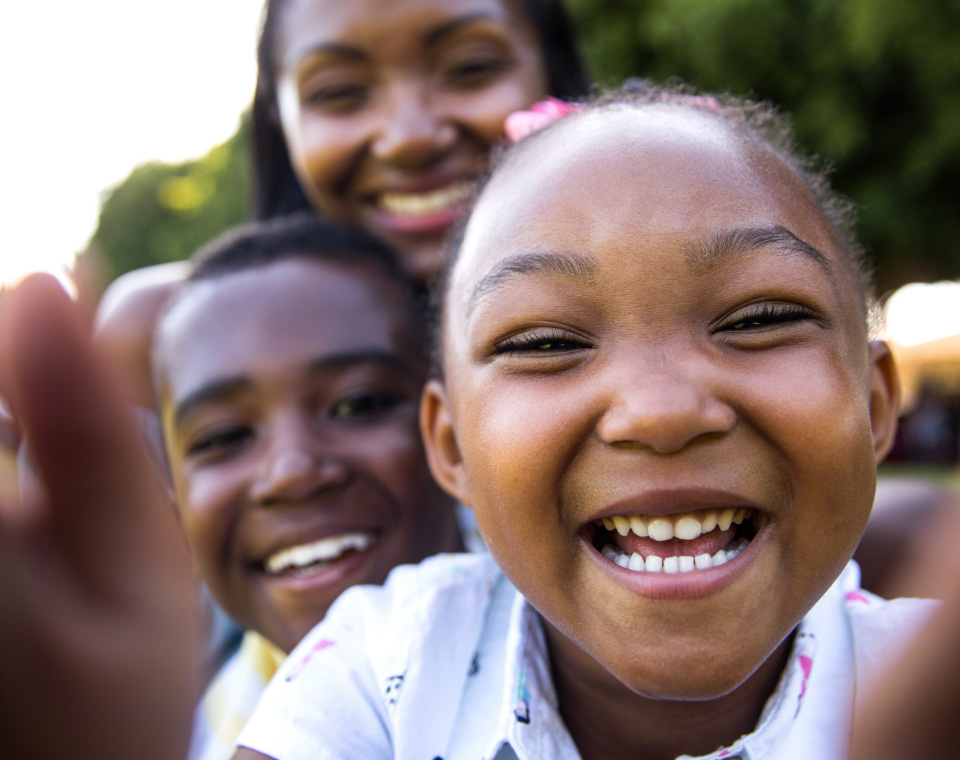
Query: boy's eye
[(363, 405), (219, 442)]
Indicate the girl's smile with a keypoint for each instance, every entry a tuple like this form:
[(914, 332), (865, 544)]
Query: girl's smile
[(655, 354)]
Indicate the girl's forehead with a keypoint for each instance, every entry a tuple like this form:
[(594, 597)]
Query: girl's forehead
[(626, 172)]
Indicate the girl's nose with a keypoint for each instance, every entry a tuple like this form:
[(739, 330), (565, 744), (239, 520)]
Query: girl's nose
[(413, 132), (663, 410), (296, 469)]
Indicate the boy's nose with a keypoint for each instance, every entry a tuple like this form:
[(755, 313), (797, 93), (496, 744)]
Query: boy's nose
[(412, 132), (663, 410), (297, 469)]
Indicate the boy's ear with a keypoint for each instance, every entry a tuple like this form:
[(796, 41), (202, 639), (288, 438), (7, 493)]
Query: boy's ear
[(884, 397), (440, 441)]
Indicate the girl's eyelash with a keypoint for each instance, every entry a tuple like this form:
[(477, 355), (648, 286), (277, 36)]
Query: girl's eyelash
[(546, 341), (765, 315)]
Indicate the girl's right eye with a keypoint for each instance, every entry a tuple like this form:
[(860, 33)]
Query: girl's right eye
[(220, 442), (543, 342)]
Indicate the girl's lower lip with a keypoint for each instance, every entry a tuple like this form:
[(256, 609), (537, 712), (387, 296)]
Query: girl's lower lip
[(679, 586)]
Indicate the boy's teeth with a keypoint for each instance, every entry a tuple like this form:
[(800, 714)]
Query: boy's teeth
[(324, 550), (424, 203), (680, 564), (687, 526)]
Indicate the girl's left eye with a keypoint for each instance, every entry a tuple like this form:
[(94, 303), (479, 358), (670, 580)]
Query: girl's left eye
[(363, 405), (764, 316)]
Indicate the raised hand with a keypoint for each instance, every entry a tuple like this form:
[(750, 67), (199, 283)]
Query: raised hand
[(99, 631)]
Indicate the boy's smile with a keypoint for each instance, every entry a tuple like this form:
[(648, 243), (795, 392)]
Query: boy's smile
[(289, 402), (655, 357)]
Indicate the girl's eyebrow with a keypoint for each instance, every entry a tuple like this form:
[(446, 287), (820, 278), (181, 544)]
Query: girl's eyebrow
[(748, 239), (567, 265)]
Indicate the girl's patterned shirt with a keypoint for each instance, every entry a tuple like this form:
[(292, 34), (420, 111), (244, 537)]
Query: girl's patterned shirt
[(449, 661)]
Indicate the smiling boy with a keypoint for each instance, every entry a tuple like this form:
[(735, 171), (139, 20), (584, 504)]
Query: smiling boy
[(659, 397), (289, 370)]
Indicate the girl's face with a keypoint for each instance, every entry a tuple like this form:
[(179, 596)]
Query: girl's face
[(651, 328), (390, 108)]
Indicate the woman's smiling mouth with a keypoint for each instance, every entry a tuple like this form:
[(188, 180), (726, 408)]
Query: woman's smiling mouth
[(422, 211)]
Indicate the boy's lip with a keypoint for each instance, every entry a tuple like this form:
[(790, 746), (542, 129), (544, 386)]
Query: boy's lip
[(289, 539)]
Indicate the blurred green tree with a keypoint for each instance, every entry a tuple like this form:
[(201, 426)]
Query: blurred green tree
[(164, 212), (873, 87)]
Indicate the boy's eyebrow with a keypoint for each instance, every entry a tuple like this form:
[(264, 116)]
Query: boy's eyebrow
[(213, 391), (363, 356), (222, 388), (557, 264), (748, 239)]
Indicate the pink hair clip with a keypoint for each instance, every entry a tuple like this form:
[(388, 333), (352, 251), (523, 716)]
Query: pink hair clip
[(519, 124)]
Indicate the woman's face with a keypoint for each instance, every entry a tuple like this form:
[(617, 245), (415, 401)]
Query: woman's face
[(390, 108)]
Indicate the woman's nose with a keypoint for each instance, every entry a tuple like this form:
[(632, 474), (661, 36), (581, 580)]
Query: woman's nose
[(663, 409), (296, 468), (413, 131)]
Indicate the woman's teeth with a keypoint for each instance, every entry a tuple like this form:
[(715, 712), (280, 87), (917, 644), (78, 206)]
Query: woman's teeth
[(681, 564), (324, 550), (413, 204), (686, 526)]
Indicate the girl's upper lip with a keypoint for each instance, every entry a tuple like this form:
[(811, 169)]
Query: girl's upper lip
[(287, 539), (670, 501)]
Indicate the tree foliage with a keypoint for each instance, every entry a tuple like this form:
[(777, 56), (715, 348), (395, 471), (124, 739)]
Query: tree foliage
[(873, 86), (164, 212)]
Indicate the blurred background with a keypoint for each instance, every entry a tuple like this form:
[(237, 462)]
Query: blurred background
[(125, 136)]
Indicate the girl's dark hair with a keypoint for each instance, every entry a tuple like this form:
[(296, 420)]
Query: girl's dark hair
[(276, 189)]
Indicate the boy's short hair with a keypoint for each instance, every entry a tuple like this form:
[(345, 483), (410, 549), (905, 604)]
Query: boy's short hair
[(303, 235)]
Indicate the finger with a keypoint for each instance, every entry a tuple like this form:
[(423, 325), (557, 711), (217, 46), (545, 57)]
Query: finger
[(106, 508)]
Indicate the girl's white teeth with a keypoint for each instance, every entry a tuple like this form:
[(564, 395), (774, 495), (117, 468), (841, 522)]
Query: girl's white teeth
[(424, 203), (687, 526), (679, 564), (324, 550)]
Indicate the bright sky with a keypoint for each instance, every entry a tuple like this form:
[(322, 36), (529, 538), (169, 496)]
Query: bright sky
[(92, 89)]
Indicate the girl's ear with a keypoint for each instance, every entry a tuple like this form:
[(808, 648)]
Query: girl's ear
[(440, 441), (884, 397)]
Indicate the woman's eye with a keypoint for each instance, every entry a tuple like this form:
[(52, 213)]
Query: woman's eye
[(342, 97), (220, 441), (473, 72), (364, 405), (765, 316)]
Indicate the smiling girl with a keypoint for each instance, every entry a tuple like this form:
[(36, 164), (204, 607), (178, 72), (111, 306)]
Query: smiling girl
[(658, 394)]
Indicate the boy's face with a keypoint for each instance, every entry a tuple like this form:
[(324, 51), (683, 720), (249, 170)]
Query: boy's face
[(289, 397), (662, 331)]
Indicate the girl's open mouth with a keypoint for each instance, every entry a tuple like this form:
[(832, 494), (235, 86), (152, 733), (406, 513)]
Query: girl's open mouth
[(679, 543)]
